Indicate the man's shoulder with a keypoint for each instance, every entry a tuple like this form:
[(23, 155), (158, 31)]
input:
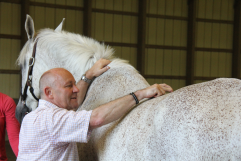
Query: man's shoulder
[(35, 118), (42, 111), (39, 111)]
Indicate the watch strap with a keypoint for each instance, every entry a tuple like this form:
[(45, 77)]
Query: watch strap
[(84, 78)]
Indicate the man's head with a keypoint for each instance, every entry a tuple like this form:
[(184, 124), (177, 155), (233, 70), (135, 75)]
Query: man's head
[(58, 86)]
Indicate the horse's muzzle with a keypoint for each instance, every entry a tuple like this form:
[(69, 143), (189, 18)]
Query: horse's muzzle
[(21, 111)]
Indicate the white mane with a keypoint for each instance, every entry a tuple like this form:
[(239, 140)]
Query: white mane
[(75, 52)]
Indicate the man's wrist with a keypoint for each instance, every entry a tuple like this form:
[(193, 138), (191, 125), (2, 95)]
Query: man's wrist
[(85, 79), (138, 95), (89, 75)]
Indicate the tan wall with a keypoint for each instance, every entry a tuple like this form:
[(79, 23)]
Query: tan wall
[(166, 32), (46, 17), (109, 27), (9, 48), (214, 35)]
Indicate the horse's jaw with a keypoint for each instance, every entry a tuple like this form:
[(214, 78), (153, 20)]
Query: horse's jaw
[(30, 103)]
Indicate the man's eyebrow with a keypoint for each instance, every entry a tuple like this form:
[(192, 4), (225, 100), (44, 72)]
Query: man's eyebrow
[(70, 82)]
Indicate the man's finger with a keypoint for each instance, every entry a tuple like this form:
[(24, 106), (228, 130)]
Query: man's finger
[(105, 62), (166, 87), (162, 91), (104, 69)]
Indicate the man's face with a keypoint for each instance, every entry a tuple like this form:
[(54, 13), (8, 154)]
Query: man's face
[(65, 91)]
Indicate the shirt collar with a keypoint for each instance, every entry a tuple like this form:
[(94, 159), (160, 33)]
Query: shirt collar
[(43, 103)]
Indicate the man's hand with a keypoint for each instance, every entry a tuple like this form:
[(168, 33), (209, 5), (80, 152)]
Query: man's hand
[(155, 90), (98, 68)]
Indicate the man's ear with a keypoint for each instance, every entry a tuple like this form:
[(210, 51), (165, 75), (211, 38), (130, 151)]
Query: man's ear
[(48, 92)]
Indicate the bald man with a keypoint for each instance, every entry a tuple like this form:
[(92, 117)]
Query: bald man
[(51, 131)]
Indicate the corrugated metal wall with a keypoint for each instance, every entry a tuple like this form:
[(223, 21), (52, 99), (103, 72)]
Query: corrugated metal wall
[(50, 17), (167, 27), (9, 48), (115, 22), (214, 35), (114, 27)]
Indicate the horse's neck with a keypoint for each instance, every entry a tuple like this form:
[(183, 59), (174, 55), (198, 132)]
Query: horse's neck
[(46, 60), (113, 84)]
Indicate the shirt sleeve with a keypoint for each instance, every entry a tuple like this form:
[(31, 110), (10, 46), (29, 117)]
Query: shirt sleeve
[(12, 124), (69, 126)]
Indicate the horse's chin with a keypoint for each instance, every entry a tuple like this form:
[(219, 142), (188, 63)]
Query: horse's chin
[(21, 111), (32, 104)]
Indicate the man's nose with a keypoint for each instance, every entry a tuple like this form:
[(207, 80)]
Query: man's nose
[(75, 89)]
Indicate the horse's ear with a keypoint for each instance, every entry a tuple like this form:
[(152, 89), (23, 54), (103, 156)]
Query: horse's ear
[(59, 28), (29, 27)]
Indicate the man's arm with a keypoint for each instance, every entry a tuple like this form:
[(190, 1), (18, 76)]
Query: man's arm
[(98, 68), (113, 110)]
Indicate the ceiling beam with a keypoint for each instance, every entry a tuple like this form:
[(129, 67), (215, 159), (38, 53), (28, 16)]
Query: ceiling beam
[(7, 36), (114, 12), (48, 5), (9, 71), (11, 1), (214, 21), (236, 41), (141, 36), (191, 42), (87, 18)]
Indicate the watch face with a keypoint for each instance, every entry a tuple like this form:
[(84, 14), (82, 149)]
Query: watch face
[(85, 79)]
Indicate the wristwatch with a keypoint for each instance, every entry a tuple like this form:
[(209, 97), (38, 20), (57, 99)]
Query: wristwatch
[(84, 78)]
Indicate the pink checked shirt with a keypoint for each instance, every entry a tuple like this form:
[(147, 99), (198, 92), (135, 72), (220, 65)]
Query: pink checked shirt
[(50, 133)]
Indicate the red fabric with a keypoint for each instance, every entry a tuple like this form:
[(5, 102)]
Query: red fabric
[(3, 156), (8, 121)]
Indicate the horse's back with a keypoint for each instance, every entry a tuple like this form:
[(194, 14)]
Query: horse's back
[(198, 122)]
